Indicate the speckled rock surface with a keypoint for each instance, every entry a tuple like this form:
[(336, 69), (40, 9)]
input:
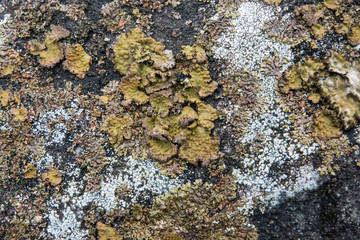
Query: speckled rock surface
[(244, 75)]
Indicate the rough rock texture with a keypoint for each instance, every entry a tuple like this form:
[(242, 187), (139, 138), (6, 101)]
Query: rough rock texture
[(169, 119)]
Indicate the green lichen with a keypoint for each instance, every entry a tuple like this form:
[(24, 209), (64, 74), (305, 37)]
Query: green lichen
[(77, 60), (303, 74), (118, 128), (175, 130), (50, 51)]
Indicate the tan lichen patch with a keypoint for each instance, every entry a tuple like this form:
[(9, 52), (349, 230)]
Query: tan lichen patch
[(30, 171), (5, 97), (314, 97), (107, 233), (354, 36), (332, 4), (319, 31), (53, 177), (20, 114), (77, 60), (7, 70), (325, 127), (50, 51)]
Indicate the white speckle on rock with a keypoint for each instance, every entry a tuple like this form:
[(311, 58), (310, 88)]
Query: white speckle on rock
[(275, 165), (141, 177), (244, 44)]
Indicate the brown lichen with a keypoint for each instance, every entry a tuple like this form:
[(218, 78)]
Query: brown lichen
[(326, 127)]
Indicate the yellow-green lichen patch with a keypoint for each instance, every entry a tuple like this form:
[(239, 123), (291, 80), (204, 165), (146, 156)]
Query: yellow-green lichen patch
[(52, 177), (332, 4), (195, 53), (151, 83), (107, 233), (342, 88), (160, 147), (303, 74), (207, 114), (118, 128), (200, 146), (200, 80), (325, 127), (30, 171), (190, 130), (161, 102), (20, 114), (77, 60), (134, 48), (130, 88), (50, 51)]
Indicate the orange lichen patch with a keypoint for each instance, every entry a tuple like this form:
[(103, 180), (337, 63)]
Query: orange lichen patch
[(107, 233), (53, 177), (195, 53), (5, 97), (201, 81), (130, 88), (20, 114), (30, 171), (118, 128), (325, 127), (200, 147), (77, 60), (50, 51)]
